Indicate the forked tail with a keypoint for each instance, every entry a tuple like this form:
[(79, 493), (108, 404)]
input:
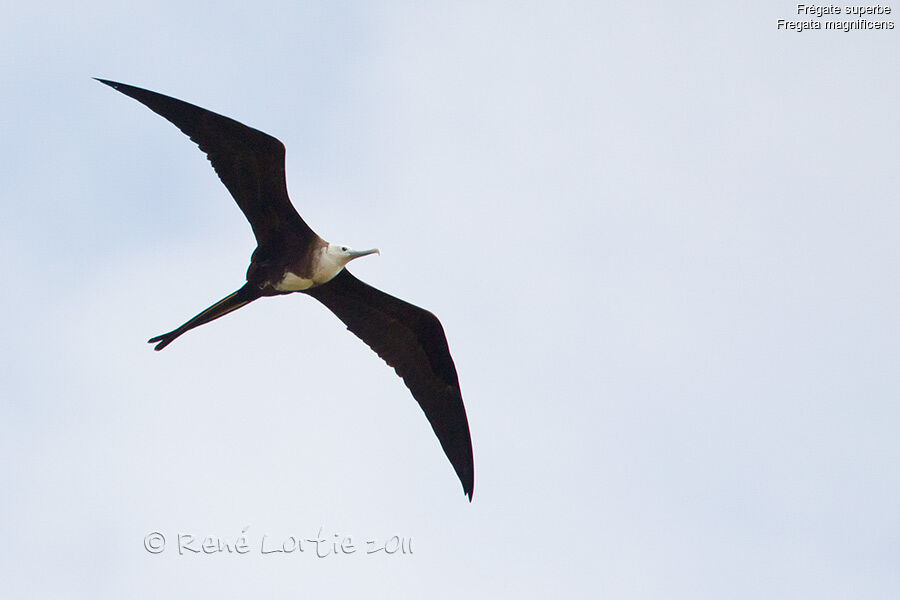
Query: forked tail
[(232, 302)]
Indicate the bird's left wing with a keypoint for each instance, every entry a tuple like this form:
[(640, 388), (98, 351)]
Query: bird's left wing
[(249, 162), (412, 341)]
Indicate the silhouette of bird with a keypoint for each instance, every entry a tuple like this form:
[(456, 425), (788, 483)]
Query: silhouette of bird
[(290, 257)]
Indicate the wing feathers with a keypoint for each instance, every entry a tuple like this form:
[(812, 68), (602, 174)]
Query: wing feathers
[(412, 341), (249, 162)]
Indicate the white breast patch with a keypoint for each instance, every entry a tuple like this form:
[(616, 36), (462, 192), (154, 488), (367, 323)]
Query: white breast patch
[(293, 283)]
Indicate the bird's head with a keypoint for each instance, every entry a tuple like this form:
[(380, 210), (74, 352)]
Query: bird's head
[(343, 254)]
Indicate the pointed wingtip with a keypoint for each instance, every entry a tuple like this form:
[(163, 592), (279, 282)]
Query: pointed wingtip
[(113, 84)]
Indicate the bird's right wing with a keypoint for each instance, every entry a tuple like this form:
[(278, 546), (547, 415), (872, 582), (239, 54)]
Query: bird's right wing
[(249, 162), (412, 341)]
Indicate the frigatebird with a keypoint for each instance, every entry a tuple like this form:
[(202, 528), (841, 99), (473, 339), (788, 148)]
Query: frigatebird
[(290, 257)]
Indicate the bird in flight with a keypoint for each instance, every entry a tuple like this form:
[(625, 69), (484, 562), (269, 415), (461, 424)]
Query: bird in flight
[(290, 257)]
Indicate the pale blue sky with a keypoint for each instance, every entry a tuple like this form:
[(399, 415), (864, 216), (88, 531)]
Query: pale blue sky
[(662, 240)]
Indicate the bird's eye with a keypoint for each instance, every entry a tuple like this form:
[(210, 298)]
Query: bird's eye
[(343, 248)]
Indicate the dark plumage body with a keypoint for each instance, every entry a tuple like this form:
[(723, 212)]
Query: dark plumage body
[(290, 257)]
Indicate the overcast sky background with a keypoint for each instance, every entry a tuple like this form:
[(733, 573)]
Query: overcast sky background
[(662, 240)]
